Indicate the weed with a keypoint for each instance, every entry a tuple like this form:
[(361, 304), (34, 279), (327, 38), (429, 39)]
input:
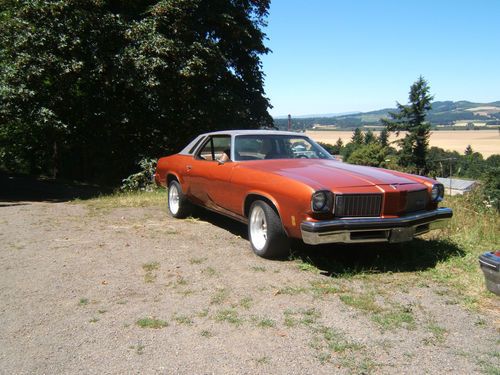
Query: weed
[(266, 323), (183, 319), (102, 311), (149, 276), (93, 320), (291, 290), (151, 323), (206, 333), (139, 349), (321, 288), (365, 302), (197, 260), (151, 266), (438, 334), (262, 360), (394, 319), (246, 302), (202, 314), (258, 268), (83, 301), (128, 199), (230, 316), (219, 297), (209, 271)]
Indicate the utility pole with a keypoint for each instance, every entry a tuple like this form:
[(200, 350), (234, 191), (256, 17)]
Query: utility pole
[(289, 122), (450, 160)]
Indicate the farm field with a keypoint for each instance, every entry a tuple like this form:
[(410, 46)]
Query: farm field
[(487, 142)]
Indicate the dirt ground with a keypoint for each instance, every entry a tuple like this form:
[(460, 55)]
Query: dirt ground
[(77, 283)]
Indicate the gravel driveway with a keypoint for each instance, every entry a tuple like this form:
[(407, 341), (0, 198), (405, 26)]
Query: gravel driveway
[(129, 290)]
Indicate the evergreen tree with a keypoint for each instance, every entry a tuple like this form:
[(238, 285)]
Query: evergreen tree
[(468, 150), (411, 118), (369, 137), (383, 138), (357, 137), (339, 144)]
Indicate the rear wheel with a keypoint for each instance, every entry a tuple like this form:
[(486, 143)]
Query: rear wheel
[(265, 231), (178, 205)]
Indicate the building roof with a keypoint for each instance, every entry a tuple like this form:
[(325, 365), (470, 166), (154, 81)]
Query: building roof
[(456, 183)]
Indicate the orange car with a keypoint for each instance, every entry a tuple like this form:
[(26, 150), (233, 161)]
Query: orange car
[(284, 185)]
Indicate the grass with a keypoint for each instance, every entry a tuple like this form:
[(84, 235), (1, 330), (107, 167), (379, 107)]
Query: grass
[(258, 268), (127, 199), (446, 257), (151, 323), (197, 260), (365, 302), (183, 319), (391, 320), (265, 323), (83, 301), (149, 276), (438, 334), (246, 302), (219, 297), (230, 316), (206, 333)]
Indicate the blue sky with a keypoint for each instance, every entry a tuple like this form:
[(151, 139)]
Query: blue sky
[(339, 56)]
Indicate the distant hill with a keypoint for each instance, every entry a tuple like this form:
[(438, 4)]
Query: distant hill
[(443, 114)]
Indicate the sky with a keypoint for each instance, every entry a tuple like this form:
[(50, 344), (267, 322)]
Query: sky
[(333, 56)]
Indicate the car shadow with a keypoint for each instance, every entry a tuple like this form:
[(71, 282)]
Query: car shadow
[(341, 259), (221, 221), (16, 189), (337, 260)]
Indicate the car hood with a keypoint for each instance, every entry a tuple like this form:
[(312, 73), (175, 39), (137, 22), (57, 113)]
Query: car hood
[(330, 174)]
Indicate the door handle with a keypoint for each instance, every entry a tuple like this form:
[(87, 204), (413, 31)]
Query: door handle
[(189, 167)]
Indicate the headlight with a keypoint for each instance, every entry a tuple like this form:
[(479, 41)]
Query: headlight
[(437, 193), (321, 201)]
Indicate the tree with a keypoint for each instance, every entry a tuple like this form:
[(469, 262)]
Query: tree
[(383, 138), (357, 137), (411, 118), (372, 154), (369, 137), (468, 150), (339, 144), (90, 87)]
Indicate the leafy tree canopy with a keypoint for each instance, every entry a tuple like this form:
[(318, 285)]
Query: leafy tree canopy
[(88, 88)]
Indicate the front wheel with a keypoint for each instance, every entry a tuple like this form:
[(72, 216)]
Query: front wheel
[(265, 231), (178, 206)]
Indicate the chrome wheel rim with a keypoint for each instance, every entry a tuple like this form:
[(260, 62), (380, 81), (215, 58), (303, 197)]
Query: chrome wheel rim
[(258, 228), (173, 199)]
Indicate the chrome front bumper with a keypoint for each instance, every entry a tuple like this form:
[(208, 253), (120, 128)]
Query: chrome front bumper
[(374, 229)]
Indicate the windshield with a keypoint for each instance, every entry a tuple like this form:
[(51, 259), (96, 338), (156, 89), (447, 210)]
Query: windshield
[(263, 146)]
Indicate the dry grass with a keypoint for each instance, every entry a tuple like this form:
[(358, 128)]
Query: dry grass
[(487, 142), (128, 199)]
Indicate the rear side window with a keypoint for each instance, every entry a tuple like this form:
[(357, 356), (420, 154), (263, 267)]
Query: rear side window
[(214, 147), (193, 149)]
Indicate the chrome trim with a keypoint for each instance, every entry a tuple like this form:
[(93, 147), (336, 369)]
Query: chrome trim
[(358, 230)]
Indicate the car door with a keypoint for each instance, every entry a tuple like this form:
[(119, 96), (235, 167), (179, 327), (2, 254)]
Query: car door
[(209, 178)]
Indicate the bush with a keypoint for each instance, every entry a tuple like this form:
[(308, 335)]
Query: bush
[(142, 180)]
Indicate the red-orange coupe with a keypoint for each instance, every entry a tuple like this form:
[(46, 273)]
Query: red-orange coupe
[(284, 185)]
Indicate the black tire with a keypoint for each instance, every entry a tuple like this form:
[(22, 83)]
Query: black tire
[(179, 207), (265, 232)]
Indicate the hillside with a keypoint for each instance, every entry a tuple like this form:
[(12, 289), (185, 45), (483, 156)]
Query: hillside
[(444, 113)]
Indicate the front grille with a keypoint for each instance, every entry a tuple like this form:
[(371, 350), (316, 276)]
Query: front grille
[(358, 205), (416, 200)]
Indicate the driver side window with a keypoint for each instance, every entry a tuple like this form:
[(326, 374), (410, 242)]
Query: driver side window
[(215, 148)]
